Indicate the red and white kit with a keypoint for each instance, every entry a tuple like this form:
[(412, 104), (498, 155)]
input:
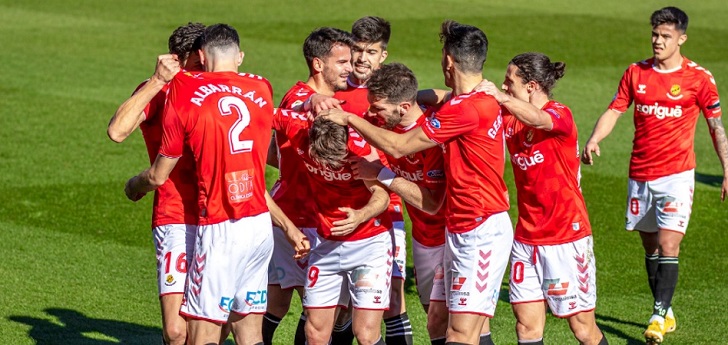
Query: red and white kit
[(292, 193), (369, 246), (174, 210), (225, 119), (469, 129), (426, 169), (356, 101), (552, 256), (667, 107)]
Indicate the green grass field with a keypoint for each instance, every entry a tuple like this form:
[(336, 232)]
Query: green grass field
[(77, 257)]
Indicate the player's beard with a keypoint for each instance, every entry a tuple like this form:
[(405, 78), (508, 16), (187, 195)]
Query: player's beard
[(363, 76)]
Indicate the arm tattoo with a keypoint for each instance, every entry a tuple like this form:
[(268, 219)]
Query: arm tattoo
[(717, 132)]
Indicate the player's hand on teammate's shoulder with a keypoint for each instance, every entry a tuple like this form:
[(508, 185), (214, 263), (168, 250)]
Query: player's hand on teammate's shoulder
[(489, 88), (589, 148), (319, 103), (336, 115), (167, 67), (364, 169)]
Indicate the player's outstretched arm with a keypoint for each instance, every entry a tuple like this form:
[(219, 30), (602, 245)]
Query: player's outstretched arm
[(394, 144), (525, 112), (423, 198), (295, 237), (717, 133), (150, 179), (603, 127), (130, 114)]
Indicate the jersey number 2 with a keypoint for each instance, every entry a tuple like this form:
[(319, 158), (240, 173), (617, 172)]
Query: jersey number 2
[(226, 105)]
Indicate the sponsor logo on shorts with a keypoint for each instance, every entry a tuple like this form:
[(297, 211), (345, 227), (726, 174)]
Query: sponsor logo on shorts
[(572, 305), (363, 277), (463, 301), (256, 297), (169, 281), (554, 287), (377, 299), (458, 282), (226, 303)]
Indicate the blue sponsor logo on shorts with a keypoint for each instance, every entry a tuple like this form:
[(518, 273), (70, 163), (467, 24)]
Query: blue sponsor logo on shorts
[(256, 297), (226, 303)]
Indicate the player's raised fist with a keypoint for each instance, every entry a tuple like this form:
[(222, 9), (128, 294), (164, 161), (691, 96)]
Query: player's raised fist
[(167, 66)]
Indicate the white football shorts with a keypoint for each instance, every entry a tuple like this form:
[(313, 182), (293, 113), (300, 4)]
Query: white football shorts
[(475, 262), (283, 269), (428, 260), (664, 203), (399, 238), (563, 275), (229, 271), (174, 245)]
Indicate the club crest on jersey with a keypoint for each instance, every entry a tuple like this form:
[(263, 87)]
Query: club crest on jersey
[(674, 93), (529, 136), (435, 123)]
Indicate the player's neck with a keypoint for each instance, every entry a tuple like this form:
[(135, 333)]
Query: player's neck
[(465, 83), (411, 116), (319, 85), (671, 63), (539, 100), (221, 66), (356, 81)]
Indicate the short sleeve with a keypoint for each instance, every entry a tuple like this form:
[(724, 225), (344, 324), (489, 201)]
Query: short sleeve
[(451, 122), (708, 99), (173, 131), (624, 97), (561, 118)]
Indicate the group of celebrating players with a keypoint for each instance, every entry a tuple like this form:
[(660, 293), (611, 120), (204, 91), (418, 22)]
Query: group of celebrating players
[(355, 142)]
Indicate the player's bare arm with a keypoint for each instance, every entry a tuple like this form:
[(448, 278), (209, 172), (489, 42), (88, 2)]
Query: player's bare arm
[(150, 179), (425, 199), (295, 237), (130, 114), (525, 112), (604, 126), (272, 158), (318, 102), (377, 204), (717, 133), (432, 97), (394, 144)]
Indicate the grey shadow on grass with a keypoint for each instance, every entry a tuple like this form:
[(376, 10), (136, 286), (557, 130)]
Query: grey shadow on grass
[(710, 180), (611, 332), (75, 328)]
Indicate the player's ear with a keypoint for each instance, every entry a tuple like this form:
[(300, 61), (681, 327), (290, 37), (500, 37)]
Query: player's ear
[(384, 56), (203, 58), (318, 65), (404, 107), (240, 58), (681, 40)]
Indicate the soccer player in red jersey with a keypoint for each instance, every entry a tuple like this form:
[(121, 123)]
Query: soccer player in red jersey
[(371, 37), (174, 212), (352, 246), (419, 179), (224, 118), (669, 92), (469, 129), (327, 52), (552, 259)]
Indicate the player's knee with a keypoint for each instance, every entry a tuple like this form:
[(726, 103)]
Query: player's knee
[(585, 330), (669, 248), (437, 322), (314, 334), (528, 330), (367, 335), (175, 333)]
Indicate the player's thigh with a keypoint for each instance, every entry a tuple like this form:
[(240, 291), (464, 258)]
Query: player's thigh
[(426, 262), (525, 282), (530, 318), (475, 263), (368, 263), (569, 276), (174, 245)]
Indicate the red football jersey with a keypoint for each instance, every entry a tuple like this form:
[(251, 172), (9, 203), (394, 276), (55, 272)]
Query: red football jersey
[(356, 102), (175, 201), (469, 129), (667, 107), (332, 189), (426, 169), (551, 209), (226, 119), (292, 192)]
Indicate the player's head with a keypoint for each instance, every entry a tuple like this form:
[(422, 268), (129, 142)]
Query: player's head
[(392, 92), (464, 49), (185, 42), (371, 36), (669, 27), (529, 73), (220, 48), (328, 54), (328, 143)]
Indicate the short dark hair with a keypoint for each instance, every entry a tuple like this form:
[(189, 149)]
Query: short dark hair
[(185, 40), (670, 15), (467, 45), (219, 36), (328, 143), (319, 43), (539, 68), (395, 82), (371, 29)]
